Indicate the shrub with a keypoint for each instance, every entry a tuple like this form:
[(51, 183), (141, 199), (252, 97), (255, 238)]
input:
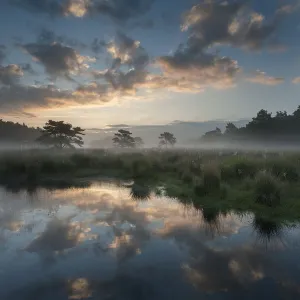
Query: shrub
[(173, 157), (224, 191), (140, 168), (211, 177), (14, 167), (33, 171), (186, 176), (267, 189), (240, 169), (195, 166), (82, 160), (210, 181), (284, 170), (200, 190), (49, 166)]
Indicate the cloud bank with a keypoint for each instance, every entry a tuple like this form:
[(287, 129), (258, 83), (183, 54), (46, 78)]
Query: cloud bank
[(122, 67), (262, 78)]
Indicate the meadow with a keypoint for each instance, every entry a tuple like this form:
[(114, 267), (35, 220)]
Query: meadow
[(266, 184)]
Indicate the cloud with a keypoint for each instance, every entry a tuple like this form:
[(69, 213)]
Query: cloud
[(296, 80), (193, 66), (18, 98), (28, 99), (262, 78), (188, 70), (128, 66), (192, 70), (58, 60), (125, 50), (155, 82), (129, 61), (181, 72), (10, 74), (58, 235), (77, 8), (116, 126), (118, 10), (94, 90), (289, 8), (28, 68), (211, 23)]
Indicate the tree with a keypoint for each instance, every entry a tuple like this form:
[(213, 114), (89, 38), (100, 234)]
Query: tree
[(212, 136), (166, 139), (138, 142), (123, 139), (16, 133), (296, 113), (262, 116), (231, 129), (281, 114), (61, 135)]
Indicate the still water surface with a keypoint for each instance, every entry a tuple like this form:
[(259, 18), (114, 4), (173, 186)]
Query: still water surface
[(100, 243)]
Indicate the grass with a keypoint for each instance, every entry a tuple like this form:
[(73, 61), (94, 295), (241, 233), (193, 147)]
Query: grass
[(267, 189), (247, 182)]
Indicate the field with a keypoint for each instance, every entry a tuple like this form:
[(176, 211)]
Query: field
[(266, 184)]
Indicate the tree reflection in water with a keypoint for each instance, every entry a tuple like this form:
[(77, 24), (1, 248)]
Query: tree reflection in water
[(140, 192)]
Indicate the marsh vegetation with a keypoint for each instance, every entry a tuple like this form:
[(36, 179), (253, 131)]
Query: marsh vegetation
[(266, 184)]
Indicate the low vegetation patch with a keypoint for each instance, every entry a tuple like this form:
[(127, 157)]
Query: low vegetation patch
[(267, 189), (263, 184)]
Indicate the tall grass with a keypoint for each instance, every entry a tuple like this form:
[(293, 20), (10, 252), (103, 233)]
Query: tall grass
[(243, 182), (267, 189), (210, 181)]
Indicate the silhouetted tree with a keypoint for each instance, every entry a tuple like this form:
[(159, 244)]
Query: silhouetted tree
[(61, 135), (166, 139), (296, 113), (263, 128), (123, 139), (281, 114), (212, 136), (139, 142), (11, 132), (261, 124), (231, 129)]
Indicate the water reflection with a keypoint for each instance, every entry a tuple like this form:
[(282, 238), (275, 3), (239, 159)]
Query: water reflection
[(101, 243), (140, 192)]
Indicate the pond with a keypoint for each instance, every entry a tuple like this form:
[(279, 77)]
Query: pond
[(100, 242)]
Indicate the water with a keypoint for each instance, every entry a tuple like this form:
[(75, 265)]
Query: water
[(99, 243)]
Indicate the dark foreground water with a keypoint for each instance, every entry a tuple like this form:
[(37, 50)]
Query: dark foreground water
[(99, 243)]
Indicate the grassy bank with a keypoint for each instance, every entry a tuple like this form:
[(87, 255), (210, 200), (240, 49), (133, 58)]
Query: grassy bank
[(267, 185)]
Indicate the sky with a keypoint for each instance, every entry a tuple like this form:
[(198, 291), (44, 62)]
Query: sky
[(95, 63)]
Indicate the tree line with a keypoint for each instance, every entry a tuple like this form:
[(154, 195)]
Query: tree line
[(263, 128), (11, 132)]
